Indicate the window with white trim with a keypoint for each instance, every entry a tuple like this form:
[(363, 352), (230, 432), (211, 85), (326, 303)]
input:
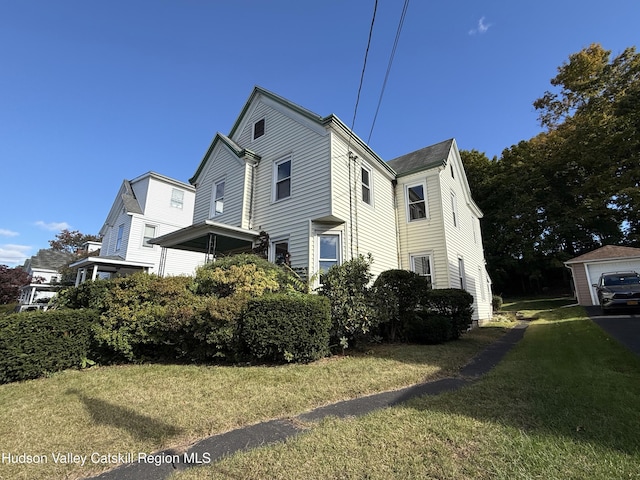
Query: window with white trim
[(454, 209), (329, 251), (217, 199), (282, 179), (258, 129), (366, 178), (416, 202), (177, 198), (421, 264), (119, 238), (461, 274), (279, 253), (149, 233)]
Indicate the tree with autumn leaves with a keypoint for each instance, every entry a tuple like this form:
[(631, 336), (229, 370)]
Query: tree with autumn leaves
[(572, 188)]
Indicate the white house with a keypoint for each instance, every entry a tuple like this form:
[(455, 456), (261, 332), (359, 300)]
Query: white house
[(324, 196), (145, 207), (44, 270)]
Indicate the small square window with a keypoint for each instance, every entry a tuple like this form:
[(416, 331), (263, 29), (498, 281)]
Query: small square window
[(258, 129)]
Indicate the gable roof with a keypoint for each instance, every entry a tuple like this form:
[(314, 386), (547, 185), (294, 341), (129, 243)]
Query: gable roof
[(608, 252), (329, 120), (423, 159), (48, 259)]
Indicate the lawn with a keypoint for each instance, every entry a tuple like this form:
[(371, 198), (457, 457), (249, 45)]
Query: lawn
[(145, 408), (562, 405)]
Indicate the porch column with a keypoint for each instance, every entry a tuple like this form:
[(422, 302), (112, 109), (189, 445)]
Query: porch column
[(78, 275), (32, 295), (94, 274)]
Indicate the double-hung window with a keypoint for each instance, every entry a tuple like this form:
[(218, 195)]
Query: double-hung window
[(416, 202), (280, 252), (366, 180), (177, 198), (217, 204), (329, 251), (119, 237), (149, 233), (282, 178), (421, 264)]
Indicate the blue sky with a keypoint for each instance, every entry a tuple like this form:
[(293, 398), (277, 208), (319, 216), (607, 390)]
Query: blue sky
[(93, 92)]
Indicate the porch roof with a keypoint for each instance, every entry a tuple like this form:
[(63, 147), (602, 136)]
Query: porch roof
[(208, 237)]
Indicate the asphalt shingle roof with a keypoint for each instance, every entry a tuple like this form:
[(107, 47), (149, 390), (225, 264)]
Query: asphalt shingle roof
[(425, 158)]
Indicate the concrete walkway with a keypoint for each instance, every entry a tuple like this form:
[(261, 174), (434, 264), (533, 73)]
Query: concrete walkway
[(212, 449)]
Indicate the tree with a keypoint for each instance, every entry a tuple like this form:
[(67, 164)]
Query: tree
[(11, 279), (71, 241)]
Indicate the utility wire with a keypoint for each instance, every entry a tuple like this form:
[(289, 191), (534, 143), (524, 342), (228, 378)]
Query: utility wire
[(350, 156), (393, 53)]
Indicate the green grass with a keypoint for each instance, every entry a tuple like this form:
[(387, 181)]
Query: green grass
[(562, 405), (146, 408)]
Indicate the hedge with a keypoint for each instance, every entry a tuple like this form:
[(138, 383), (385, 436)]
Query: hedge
[(33, 344), (454, 303), (291, 328)]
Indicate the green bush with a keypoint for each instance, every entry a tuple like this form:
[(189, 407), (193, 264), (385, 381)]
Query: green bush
[(427, 329), (141, 313), (454, 303), (33, 344), (86, 295), (352, 313), (292, 328), (496, 303), (246, 273), (397, 294)]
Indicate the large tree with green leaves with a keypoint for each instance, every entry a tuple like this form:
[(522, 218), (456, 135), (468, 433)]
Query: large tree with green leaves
[(573, 187)]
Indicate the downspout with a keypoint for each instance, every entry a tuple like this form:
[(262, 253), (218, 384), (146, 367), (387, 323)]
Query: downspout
[(254, 165), (394, 185)]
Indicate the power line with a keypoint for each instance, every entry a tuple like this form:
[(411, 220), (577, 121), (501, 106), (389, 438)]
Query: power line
[(393, 53)]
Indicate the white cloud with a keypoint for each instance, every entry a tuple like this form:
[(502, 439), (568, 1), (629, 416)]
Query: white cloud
[(53, 226), (8, 233), (13, 255), (481, 28)]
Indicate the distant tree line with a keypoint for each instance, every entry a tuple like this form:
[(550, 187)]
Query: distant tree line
[(572, 188)]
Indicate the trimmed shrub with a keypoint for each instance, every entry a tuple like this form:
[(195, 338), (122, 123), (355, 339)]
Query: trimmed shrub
[(246, 273), (352, 313), (33, 344), (291, 328), (426, 329), (86, 295), (496, 303), (140, 315), (454, 303), (397, 293)]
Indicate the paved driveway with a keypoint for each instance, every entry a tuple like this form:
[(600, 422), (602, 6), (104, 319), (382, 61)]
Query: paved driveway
[(623, 327)]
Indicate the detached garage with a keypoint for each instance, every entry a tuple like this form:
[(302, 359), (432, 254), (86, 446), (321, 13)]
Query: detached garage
[(586, 269)]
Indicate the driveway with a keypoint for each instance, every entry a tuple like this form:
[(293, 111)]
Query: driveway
[(624, 327)]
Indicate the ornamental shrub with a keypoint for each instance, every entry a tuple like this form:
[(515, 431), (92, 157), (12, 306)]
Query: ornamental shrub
[(352, 313), (244, 273), (291, 328), (397, 294), (33, 344), (427, 329), (454, 303)]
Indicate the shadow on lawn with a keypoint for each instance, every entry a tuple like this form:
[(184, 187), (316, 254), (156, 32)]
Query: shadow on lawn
[(574, 393), (141, 427)]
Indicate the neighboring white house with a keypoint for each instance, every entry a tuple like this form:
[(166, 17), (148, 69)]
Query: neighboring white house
[(44, 270), (324, 196), (145, 207)]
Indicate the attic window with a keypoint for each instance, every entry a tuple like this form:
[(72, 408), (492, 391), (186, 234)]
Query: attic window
[(258, 129), (177, 198)]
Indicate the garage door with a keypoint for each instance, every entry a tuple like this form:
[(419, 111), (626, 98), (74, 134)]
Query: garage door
[(594, 270)]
